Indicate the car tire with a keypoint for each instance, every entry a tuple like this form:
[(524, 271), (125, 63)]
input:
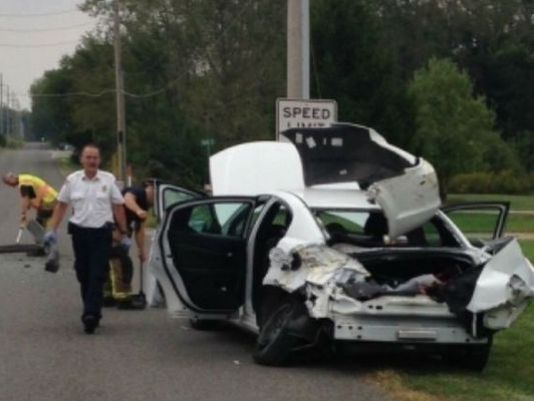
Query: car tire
[(274, 343), (472, 357), (204, 324)]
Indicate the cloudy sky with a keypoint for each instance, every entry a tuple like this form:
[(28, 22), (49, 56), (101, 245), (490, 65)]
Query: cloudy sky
[(34, 34)]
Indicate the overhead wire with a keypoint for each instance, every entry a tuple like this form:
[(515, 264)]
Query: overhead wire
[(134, 95), (36, 45), (33, 15), (40, 30)]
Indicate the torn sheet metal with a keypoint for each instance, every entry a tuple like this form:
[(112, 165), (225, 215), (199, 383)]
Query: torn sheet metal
[(315, 268), (504, 287), (294, 263)]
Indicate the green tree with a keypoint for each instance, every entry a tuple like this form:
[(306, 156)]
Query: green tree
[(455, 129), (352, 65)]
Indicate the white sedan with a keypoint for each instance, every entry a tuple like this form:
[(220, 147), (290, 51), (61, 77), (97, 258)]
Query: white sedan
[(335, 236)]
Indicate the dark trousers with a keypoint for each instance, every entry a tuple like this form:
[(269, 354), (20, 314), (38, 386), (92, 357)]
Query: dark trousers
[(91, 260)]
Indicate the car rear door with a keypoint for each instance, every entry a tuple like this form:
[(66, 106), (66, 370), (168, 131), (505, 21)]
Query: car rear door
[(479, 221), (203, 249)]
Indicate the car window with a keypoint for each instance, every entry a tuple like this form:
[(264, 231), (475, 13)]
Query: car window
[(256, 213), (228, 219), (352, 222), (432, 236), (369, 229), (172, 196)]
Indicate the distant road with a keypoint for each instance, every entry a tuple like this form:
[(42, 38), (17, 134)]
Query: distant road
[(143, 356)]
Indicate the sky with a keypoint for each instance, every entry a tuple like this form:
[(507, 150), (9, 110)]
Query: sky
[(34, 35)]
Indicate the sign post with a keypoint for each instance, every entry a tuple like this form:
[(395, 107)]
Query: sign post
[(310, 113)]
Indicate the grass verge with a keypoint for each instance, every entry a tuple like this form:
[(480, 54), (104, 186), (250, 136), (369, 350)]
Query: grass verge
[(518, 202), (485, 223), (508, 375)]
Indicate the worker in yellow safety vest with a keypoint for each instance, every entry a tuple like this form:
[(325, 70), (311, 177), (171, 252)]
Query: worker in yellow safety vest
[(35, 193)]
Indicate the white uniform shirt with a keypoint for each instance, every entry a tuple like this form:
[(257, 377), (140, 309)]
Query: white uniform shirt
[(91, 199)]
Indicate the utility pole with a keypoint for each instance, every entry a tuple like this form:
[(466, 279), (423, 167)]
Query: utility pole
[(8, 119), (298, 49), (119, 88), (1, 104)]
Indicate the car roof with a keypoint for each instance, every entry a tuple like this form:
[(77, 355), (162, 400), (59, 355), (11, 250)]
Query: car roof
[(323, 198)]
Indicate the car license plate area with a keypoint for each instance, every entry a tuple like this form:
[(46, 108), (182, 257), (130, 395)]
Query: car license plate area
[(417, 335), (402, 331)]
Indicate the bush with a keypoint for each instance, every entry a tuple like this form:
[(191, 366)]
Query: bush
[(13, 143), (2, 141), (505, 182)]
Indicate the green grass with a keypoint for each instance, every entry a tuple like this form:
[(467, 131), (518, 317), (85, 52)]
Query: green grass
[(519, 202), (528, 249), (508, 375), (485, 222)]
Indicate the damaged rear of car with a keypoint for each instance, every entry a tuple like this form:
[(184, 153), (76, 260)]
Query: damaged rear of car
[(401, 273), (425, 290), (337, 237)]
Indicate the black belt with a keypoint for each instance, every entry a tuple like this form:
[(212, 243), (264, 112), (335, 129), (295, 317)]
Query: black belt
[(75, 228)]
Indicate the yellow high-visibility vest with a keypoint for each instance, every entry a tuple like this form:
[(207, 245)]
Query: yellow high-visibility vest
[(40, 188)]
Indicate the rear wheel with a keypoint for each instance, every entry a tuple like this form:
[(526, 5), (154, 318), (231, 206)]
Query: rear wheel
[(472, 357)]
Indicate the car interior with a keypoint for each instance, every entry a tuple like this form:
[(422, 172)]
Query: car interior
[(271, 230)]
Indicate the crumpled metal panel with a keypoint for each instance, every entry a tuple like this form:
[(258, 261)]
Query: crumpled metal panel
[(504, 287), (321, 272)]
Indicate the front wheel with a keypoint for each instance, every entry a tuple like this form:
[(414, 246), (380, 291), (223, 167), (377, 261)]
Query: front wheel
[(274, 343)]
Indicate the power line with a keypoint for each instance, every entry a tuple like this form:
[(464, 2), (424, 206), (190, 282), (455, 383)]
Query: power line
[(71, 94), (32, 15), (149, 94), (34, 46), (64, 28)]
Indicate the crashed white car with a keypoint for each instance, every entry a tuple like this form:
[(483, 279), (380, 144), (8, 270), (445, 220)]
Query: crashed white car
[(336, 236)]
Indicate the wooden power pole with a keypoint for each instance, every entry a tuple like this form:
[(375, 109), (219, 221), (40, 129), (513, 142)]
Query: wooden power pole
[(119, 87)]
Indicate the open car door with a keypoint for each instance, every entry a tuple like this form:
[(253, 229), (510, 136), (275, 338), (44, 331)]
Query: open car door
[(406, 187), (168, 195), (203, 249), (483, 223)]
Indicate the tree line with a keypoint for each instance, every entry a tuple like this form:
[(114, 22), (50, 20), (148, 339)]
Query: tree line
[(451, 80)]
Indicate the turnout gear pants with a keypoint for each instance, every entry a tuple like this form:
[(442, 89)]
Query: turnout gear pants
[(119, 280)]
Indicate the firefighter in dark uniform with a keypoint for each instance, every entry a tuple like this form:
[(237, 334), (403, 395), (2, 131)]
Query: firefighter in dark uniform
[(137, 203), (95, 199)]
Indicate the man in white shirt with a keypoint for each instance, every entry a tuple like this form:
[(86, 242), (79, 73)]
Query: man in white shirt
[(95, 199)]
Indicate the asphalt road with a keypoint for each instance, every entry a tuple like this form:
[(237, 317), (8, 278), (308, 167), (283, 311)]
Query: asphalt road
[(136, 355)]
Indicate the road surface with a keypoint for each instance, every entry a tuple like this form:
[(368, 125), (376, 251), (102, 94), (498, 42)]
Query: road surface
[(136, 355)]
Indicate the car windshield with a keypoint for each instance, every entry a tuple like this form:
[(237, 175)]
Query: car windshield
[(369, 228)]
